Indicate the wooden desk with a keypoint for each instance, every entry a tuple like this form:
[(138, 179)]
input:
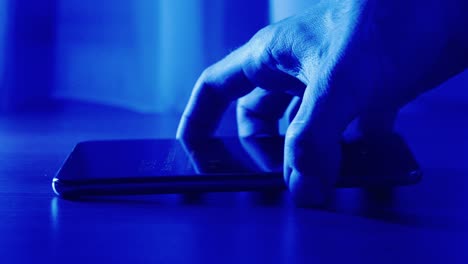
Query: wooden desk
[(426, 223)]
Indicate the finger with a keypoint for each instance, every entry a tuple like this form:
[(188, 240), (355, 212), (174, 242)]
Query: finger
[(292, 109), (216, 88), (259, 111), (312, 147)]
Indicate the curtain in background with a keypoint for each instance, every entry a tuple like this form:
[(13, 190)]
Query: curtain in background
[(145, 54), (137, 54), (141, 54), (28, 48), (3, 19)]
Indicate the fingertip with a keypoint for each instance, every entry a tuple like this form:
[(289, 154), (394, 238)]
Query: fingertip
[(190, 127), (181, 128), (307, 190)]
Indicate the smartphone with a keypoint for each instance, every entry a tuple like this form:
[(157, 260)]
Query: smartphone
[(161, 166)]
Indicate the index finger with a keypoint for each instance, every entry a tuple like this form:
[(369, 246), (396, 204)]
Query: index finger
[(216, 88)]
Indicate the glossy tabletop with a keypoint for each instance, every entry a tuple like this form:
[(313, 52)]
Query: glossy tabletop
[(425, 223)]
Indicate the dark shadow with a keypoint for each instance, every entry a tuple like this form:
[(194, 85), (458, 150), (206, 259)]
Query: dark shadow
[(380, 204), (30, 54)]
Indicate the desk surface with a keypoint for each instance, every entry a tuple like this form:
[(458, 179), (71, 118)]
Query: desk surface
[(422, 223)]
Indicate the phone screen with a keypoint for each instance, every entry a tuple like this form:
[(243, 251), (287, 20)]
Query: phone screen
[(169, 165), (132, 159), (217, 164)]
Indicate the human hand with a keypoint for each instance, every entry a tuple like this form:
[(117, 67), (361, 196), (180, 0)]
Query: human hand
[(345, 60)]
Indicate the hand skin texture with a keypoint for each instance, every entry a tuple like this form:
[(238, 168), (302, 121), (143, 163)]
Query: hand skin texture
[(337, 62)]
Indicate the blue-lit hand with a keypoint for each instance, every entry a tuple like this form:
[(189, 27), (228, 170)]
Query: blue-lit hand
[(345, 60)]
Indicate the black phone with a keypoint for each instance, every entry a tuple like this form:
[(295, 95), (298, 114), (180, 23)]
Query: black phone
[(157, 166)]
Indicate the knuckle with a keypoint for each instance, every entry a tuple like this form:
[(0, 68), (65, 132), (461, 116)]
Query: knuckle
[(207, 74)]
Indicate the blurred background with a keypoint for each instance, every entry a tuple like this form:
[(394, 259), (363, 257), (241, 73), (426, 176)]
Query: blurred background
[(143, 55), (140, 55)]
